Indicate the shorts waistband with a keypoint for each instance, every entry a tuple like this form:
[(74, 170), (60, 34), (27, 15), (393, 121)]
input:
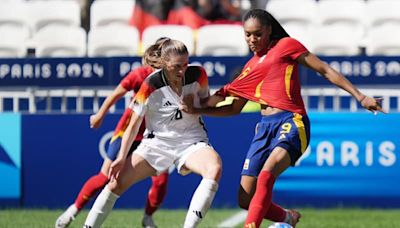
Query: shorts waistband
[(276, 116)]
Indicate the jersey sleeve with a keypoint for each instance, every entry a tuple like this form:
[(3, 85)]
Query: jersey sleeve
[(140, 102), (204, 91), (292, 48), (134, 79)]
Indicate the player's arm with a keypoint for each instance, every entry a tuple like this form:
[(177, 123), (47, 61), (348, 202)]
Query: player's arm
[(97, 119), (227, 110), (127, 140), (312, 61)]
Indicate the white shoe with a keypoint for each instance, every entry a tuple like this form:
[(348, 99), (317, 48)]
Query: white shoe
[(147, 222), (67, 217)]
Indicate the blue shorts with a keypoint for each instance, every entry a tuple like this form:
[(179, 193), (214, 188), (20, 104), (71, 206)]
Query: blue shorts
[(115, 145), (288, 130)]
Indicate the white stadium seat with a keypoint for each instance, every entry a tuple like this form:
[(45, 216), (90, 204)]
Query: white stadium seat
[(60, 41), (230, 41), (384, 40), (108, 12), (113, 40), (349, 13), (177, 32), (299, 12), (382, 12), (13, 42), (60, 12), (14, 14), (334, 40)]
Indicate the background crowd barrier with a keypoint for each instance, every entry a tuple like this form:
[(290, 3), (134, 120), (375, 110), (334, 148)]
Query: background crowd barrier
[(352, 160)]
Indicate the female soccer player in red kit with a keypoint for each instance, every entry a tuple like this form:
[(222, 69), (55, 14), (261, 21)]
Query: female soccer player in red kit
[(158, 189), (271, 78)]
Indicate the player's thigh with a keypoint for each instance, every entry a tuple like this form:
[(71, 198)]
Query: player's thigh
[(205, 162), (277, 162), (136, 168)]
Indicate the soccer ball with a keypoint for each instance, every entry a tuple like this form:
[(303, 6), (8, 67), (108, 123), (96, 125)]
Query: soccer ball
[(280, 225)]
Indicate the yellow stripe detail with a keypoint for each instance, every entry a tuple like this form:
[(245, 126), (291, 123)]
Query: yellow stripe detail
[(244, 73), (120, 134), (288, 76), (298, 120), (258, 89)]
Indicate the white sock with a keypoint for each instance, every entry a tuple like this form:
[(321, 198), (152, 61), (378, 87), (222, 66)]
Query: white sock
[(201, 202), (101, 208)]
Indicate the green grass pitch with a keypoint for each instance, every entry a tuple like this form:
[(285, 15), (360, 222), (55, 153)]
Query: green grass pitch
[(318, 218)]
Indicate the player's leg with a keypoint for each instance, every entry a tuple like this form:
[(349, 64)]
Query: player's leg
[(89, 189), (207, 163), (155, 197), (135, 169), (246, 191)]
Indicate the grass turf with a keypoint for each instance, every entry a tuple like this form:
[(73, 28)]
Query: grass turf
[(318, 218)]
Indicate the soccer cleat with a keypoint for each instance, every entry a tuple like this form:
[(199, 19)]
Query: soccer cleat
[(67, 217), (147, 222), (292, 217)]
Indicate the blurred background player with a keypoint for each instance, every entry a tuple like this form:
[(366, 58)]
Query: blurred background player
[(157, 192), (171, 137)]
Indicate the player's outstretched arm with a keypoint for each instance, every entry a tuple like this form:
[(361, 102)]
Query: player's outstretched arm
[(227, 110), (97, 119), (312, 61)]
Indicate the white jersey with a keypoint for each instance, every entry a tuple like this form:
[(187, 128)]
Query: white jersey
[(161, 107)]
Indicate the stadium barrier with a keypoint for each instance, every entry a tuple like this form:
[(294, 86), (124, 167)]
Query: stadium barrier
[(352, 160)]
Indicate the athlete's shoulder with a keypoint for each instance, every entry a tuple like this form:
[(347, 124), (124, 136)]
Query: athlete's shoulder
[(155, 80), (195, 73)]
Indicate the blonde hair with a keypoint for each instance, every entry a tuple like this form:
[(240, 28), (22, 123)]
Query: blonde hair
[(152, 55), (172, 47)]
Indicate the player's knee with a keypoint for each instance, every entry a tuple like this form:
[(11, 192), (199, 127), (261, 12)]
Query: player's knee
[(214, 170), (116, 187)]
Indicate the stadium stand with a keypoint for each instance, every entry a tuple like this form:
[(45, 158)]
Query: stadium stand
[(13, 42), (209, 43), (106, 12), (60, 41), (60, 12), (113, 40), (384, 40), (179, 32), (382, 12)]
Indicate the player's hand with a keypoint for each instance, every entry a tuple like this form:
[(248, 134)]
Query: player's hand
[(95, 121), (214, 100), (115, 168), (187, 104), (372, 104)]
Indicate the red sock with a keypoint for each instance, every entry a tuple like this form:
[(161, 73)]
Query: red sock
[(275, 213), (157, 193), (90, 188), (261, 201)]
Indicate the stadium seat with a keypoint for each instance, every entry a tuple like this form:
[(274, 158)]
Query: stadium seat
[(13, 42), (384, 40), (113, 40), (298, 12), (300, 33), (14, 14), (335, 40), (178, 32), (60, 12), (229, 42), (60, 41), (108, 12), (349, 13), (382, 12)]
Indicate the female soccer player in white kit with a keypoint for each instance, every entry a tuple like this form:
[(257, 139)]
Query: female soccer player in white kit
[(172, 137)]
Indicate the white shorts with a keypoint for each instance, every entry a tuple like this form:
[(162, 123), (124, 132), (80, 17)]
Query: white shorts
[(161, 155)]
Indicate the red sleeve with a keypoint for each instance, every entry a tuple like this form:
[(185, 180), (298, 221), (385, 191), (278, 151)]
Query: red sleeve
[(135, 78), (291, 48)]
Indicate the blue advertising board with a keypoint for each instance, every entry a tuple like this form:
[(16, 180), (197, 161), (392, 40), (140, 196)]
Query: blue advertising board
[(10, 159), (352, 160), (57, 72)]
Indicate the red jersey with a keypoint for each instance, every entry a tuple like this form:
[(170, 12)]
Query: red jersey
[(272, 79), (132, 81)]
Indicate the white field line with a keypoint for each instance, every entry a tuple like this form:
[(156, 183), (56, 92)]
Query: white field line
[(234, 220)]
